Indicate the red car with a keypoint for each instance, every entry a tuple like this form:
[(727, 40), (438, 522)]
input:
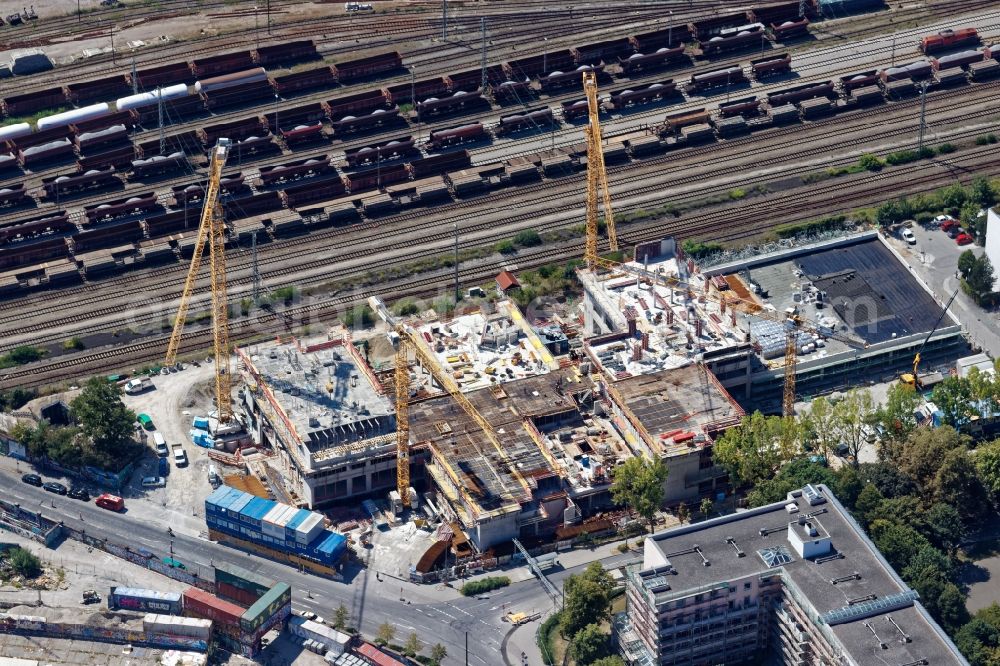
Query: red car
[(963, 239), (110, 502), (948, 224)]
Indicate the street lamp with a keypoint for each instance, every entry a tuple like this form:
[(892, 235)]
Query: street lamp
[(670, 30), (545, 56)]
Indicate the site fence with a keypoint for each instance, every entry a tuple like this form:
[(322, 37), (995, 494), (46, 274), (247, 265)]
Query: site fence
[(29, 625), (34, 525)]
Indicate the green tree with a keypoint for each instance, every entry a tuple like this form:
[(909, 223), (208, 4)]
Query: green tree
[(847, 485), (587, 600), (438, 653), (790, 477), (956, 483), (951, 610), (341, 616), (413, 645), (638, 484), (981, 191), (953, 196), (898, 543), (888, 213), (988, 465), (589, 644), (506, 247), (888, 479), (869, 499), (966, 261), (853, 418), (386, 632), (24, 563), (925, 453), (944, 527), (980, 278), (613, 660), (953, 397), (818, 420), (928, 561), (756, 448), (977, 640), (706, 507), (105, 419), (896, 417)]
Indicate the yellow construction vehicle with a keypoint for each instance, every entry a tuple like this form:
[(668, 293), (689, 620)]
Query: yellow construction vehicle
[(913, 378), (213, 230)]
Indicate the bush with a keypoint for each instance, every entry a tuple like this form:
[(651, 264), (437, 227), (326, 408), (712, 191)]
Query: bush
[(360, 317), (488, 584), (505, 247), (623, 548), (984, 139), (527, 238), (906, 156), (696, 250), (73, 344), (21, 355), (946, 148), (822, 224), (406, 307), (870, 162), (737, 194), (545, 634), (24, 563)]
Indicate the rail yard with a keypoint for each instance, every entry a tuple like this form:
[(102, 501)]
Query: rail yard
[(392, 290)]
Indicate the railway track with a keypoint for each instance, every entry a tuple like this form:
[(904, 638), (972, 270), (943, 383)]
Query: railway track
[(133, 187), (277, 266), (789, 206), (703, 155)]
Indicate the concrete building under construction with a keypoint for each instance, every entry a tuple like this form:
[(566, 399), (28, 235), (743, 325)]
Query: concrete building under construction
[(729, 317), (323, 412)]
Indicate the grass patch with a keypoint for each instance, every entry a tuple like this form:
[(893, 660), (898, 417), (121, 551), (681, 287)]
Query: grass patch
[(33, 118), (20, 356), (73, 344), (697, 250), (482, 585), (547, 634), (822, 224)]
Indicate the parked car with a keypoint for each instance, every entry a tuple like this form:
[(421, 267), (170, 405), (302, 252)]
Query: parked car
[(79, 494), (171, 562), (162, 467), (32, 480), (908, 236), (136, 386), (153, 482), (945, 222), (54, 487), (110, 502), (146, 422), (963, 239)]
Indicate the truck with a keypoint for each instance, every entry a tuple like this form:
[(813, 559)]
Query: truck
[(518, 619), (180, 455), (138, 385)]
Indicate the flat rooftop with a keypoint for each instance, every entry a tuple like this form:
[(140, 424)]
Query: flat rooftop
[(837, 585), (486, 347), (326, 392), (859, 288), (680, 400), (496, 478)]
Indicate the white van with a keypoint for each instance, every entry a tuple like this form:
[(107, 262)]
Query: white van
[(161, 444)]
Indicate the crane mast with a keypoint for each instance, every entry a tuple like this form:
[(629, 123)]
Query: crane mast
[(212, 230), (597, 176)]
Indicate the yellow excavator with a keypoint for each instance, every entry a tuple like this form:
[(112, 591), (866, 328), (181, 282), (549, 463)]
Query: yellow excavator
[(913, 378)]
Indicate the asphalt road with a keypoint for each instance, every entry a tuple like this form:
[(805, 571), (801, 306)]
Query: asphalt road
[(437, 614)]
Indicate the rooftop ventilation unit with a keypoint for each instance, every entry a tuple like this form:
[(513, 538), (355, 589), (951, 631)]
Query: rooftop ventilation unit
[(812, 495)]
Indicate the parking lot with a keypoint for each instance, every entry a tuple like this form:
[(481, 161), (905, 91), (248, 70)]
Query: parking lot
[(934, 259), (176, 400)]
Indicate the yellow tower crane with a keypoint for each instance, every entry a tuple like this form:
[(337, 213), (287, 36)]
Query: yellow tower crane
[(405, 338), (597, 177), (213, 229)]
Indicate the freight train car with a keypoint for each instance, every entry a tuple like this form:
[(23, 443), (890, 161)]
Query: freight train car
[(393, 149), (560, 80), (294, 171), (669, 37), (282, 54), (638, 64), (300, 134), (377, 65), (725, 77), (734, 39), (97, 89), (32, 228), (532, 119), (404, 93), (164, 75), (771, 65), (110, 210), (377, 119), (441, 139), (319, 78), (65, 185), (600, 52), (33, 102), (621, 99), (222, 64), (802, 92), (458, 102), (914, 71), (117, 158), (746, 107), (158, 165), (539, 66)]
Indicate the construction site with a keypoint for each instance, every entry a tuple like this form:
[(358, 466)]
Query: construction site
[(510, 429)]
